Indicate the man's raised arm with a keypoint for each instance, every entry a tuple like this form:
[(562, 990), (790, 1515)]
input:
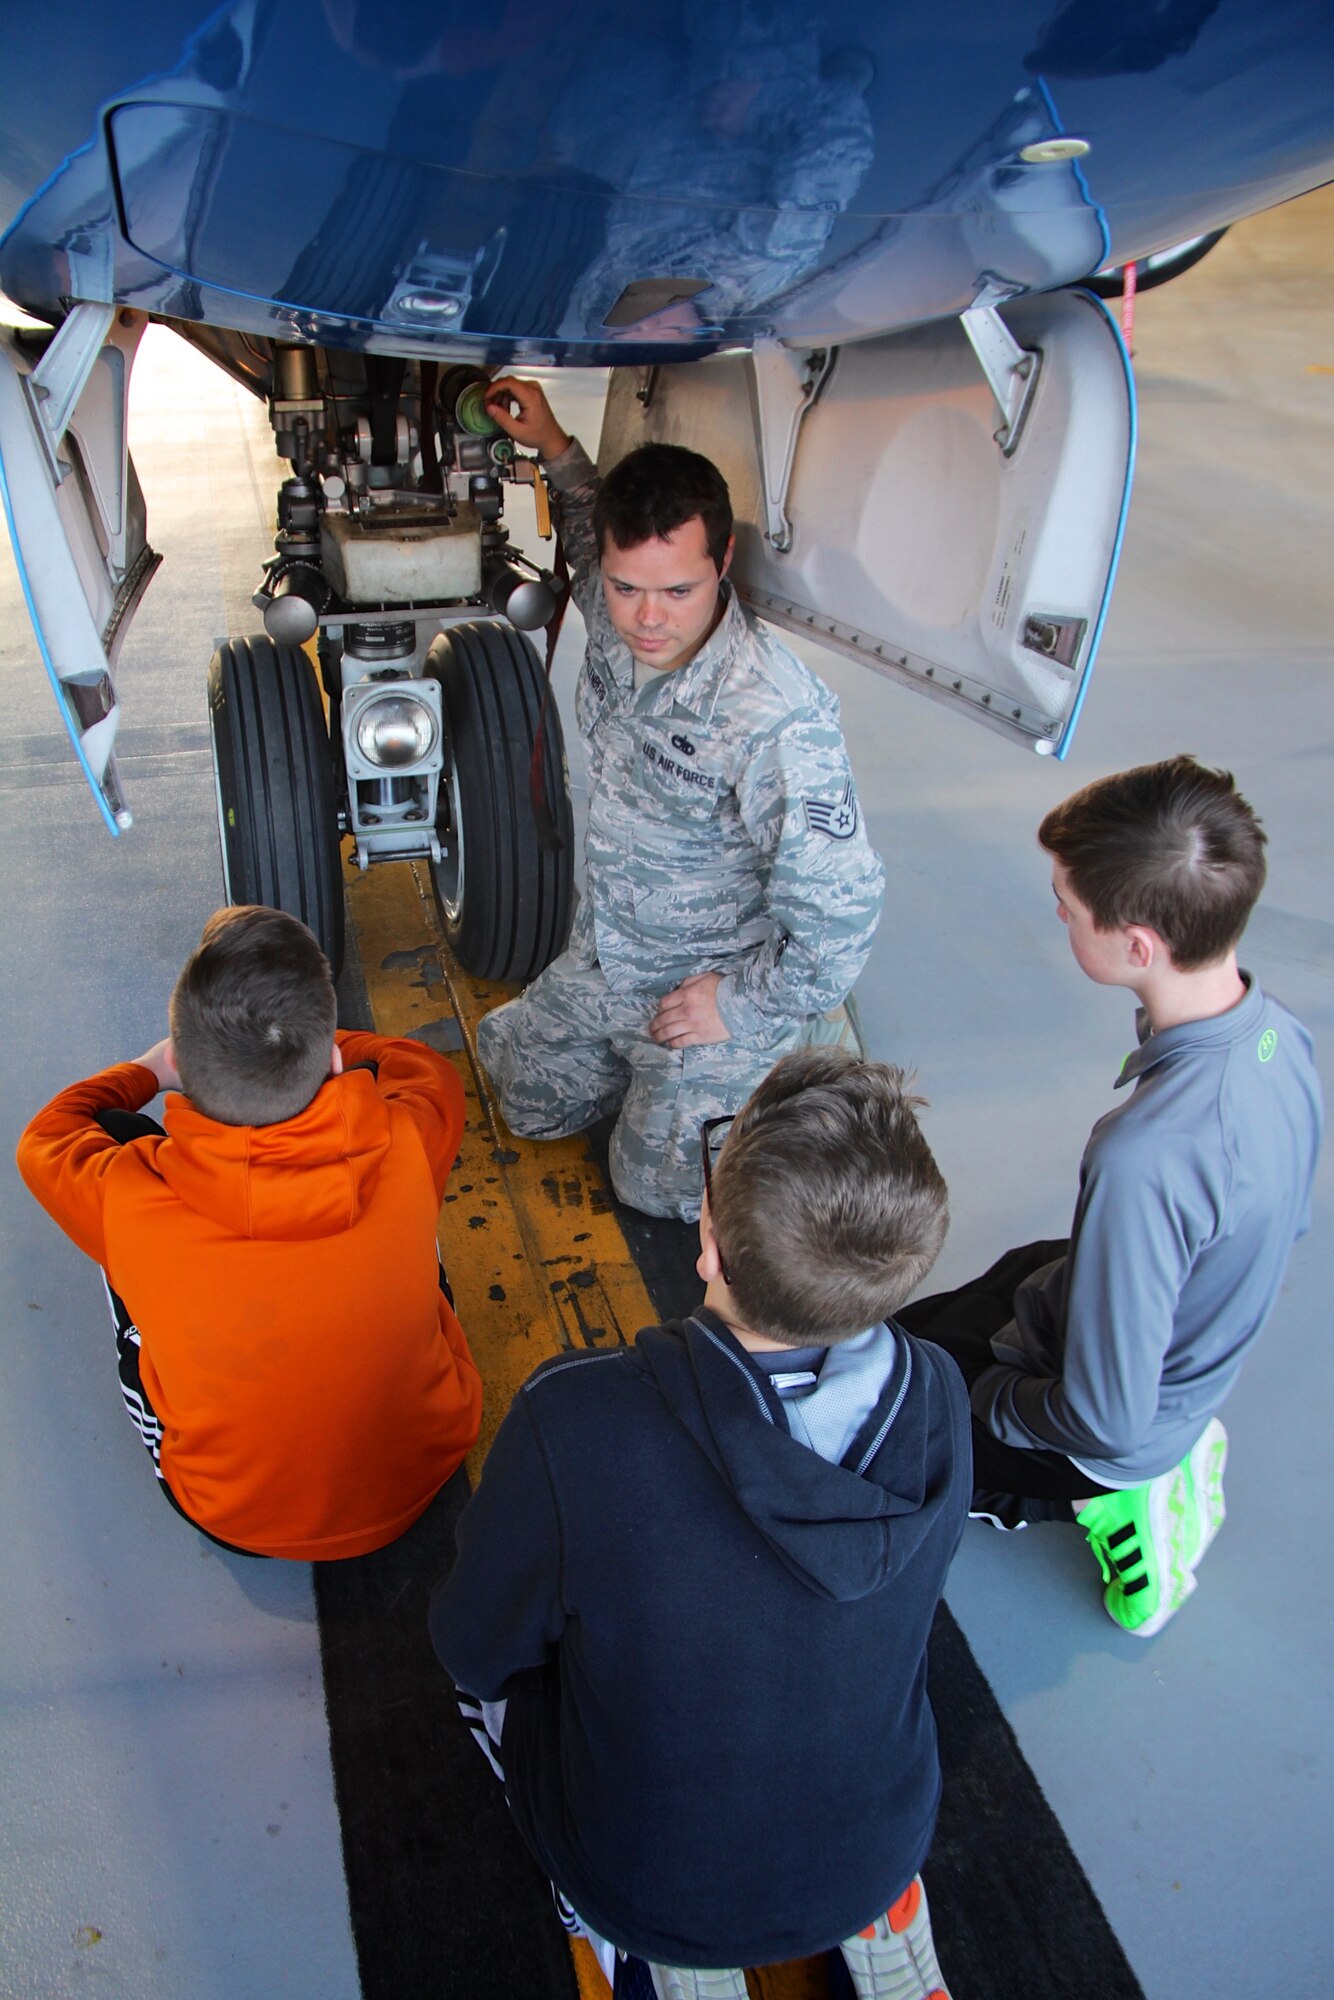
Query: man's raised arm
[(521, 409)]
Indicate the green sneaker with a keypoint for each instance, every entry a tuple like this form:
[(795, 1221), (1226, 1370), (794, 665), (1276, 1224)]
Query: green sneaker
[(1144, 1539), (1203, 1466)]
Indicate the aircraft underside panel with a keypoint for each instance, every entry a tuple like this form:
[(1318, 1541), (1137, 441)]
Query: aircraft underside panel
[(633, 181), (952, 539)]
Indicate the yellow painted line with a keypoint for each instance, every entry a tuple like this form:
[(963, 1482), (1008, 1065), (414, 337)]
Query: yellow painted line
[(535, 1255)]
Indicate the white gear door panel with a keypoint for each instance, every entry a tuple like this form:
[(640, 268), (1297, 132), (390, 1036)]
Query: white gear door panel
[(76, 518), (953, 536)]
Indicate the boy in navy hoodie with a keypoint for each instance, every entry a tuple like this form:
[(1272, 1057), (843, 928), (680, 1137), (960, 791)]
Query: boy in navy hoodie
[(694, 1587)]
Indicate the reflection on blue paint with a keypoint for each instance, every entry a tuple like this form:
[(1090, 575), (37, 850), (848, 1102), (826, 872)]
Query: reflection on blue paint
[(428, 175)]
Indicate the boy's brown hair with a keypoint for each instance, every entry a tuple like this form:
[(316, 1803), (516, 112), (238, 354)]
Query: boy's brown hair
[(1173, 846), (826, 1204), (252, 1017)]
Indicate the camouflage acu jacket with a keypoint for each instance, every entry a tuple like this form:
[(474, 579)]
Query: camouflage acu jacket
[(724, 832)]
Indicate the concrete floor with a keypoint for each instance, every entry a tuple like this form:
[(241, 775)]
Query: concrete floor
[(169, 1825), (169, 1830)]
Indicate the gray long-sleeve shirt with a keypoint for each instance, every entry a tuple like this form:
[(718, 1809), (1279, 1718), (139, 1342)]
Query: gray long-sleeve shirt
[(724, 832), (1190, 1197)]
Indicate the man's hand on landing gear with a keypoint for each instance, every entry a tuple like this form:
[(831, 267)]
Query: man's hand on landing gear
[(522, 409)]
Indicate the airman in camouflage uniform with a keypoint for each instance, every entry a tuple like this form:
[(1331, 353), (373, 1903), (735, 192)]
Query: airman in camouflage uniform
[(731, 892)]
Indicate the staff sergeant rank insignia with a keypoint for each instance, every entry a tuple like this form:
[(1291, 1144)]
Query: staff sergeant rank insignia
[(835, 817)]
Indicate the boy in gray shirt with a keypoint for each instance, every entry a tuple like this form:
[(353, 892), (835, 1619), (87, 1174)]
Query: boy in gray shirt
[(1096, 1367)]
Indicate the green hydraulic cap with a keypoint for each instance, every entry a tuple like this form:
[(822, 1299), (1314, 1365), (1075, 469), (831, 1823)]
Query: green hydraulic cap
[(471, 413)]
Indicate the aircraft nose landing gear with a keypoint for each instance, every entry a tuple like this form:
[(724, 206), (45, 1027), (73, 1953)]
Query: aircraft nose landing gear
[(504, 887), (391, 548)]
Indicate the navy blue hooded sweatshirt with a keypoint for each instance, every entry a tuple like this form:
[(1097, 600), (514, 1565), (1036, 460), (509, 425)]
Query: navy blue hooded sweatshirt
[(718, 1741)]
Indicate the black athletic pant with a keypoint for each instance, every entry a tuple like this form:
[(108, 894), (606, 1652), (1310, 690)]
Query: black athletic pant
[(1015, 1485), (122, 1126)]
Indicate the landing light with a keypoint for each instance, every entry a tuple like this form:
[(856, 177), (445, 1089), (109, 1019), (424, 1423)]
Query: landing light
[(429, 305), (395, 731)]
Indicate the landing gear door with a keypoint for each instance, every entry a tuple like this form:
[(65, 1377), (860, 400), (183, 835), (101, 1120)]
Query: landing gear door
[(76, 518), (945, 504)]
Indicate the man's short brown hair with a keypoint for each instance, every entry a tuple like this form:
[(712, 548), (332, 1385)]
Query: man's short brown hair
[(827, 1206), (252, 1017), (1173, 846), (656, 489)]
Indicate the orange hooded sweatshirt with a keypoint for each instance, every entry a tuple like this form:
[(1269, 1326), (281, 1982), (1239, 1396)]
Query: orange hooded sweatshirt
[(314, 1387)]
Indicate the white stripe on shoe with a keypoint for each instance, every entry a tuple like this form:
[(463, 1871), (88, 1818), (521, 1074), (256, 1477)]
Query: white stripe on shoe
[(675, 1982), (895, 1957), (1205, 1465)]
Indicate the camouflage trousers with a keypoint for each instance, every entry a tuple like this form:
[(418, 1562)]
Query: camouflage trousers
[(569, 1051)]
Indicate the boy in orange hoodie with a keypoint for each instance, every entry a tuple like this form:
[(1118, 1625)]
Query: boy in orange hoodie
[(288, 1349)]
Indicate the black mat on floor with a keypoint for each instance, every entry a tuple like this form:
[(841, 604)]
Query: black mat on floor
[(446, 1903), (444, 1899), (1015, 1917)]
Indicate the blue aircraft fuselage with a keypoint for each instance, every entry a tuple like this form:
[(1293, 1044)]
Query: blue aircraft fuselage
[(549, 179)]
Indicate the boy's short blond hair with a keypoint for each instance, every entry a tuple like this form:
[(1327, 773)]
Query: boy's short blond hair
[(826, 1204)]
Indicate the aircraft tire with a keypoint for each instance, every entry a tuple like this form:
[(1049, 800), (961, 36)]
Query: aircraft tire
[(506, 886), (277, 822)]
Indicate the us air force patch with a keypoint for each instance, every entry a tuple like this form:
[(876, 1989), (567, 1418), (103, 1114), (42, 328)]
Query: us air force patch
[(835, 817)]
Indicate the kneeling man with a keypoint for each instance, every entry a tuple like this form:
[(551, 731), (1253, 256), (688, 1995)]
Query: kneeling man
[(731, 893)]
